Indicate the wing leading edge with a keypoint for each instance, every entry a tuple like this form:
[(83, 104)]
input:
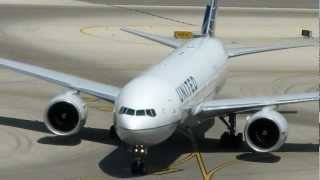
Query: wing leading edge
[(106, 92), (243, 104), (234, 52)]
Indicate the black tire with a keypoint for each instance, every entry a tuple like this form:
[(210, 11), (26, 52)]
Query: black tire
[(135, 168), (230, 141), (200, 138), (112, 133), (238, 140), (225, 140), (142, 169), (138, 168)]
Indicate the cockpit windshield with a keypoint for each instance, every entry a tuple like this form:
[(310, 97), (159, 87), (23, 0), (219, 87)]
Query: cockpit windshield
[(139, 112), (130, 111)]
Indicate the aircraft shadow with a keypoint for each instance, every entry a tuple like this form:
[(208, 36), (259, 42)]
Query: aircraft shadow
[(86, 133), (117, 163)]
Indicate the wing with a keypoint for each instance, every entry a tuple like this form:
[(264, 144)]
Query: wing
[(234, 52), (167, 41), (106, 92), (244, 104)]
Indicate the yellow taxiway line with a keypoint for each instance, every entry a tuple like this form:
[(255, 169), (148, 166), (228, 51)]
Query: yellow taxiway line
[(206, 175)]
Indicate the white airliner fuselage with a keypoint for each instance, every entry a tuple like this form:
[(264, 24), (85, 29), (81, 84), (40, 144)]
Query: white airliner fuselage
[(186, 77), (174, 93)]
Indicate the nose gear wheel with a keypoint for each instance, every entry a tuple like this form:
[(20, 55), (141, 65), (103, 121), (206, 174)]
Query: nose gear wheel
[(138, 165)]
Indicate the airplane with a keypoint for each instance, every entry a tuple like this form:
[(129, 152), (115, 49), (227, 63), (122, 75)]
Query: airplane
[(172, 95)]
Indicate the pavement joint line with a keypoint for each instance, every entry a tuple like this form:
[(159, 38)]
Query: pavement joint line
[(153, 15)]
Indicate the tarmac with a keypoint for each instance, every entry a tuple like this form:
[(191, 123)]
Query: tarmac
[(83, 38)]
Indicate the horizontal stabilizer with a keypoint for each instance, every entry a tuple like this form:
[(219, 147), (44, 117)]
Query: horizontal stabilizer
[(167, 41)]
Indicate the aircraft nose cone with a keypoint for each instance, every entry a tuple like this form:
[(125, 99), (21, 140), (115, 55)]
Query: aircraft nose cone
[(144, 136)]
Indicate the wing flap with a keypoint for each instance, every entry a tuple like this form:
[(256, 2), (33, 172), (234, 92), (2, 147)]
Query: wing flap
[(106, 92), (243, 104)]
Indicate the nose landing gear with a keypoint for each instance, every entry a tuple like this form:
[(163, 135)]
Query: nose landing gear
[(139, 153)]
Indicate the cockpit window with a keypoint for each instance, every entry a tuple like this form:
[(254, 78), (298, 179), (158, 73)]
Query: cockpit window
[(122, 110), (140, 113), (151, 112), (130, 111)]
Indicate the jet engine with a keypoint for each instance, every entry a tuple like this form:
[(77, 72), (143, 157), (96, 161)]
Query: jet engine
[(266, 130), (66, 114)]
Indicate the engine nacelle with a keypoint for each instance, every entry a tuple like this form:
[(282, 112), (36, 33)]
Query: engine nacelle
[(266, 130), (66, 114)]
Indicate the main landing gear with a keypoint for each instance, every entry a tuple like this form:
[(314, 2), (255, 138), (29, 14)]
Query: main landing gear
[(139, 153), (112, 133), (230, 139)]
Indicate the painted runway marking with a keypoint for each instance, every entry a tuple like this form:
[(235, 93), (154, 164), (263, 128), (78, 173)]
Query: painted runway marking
[(88, 30), (206, 174), (90, 99), (101, 107)]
